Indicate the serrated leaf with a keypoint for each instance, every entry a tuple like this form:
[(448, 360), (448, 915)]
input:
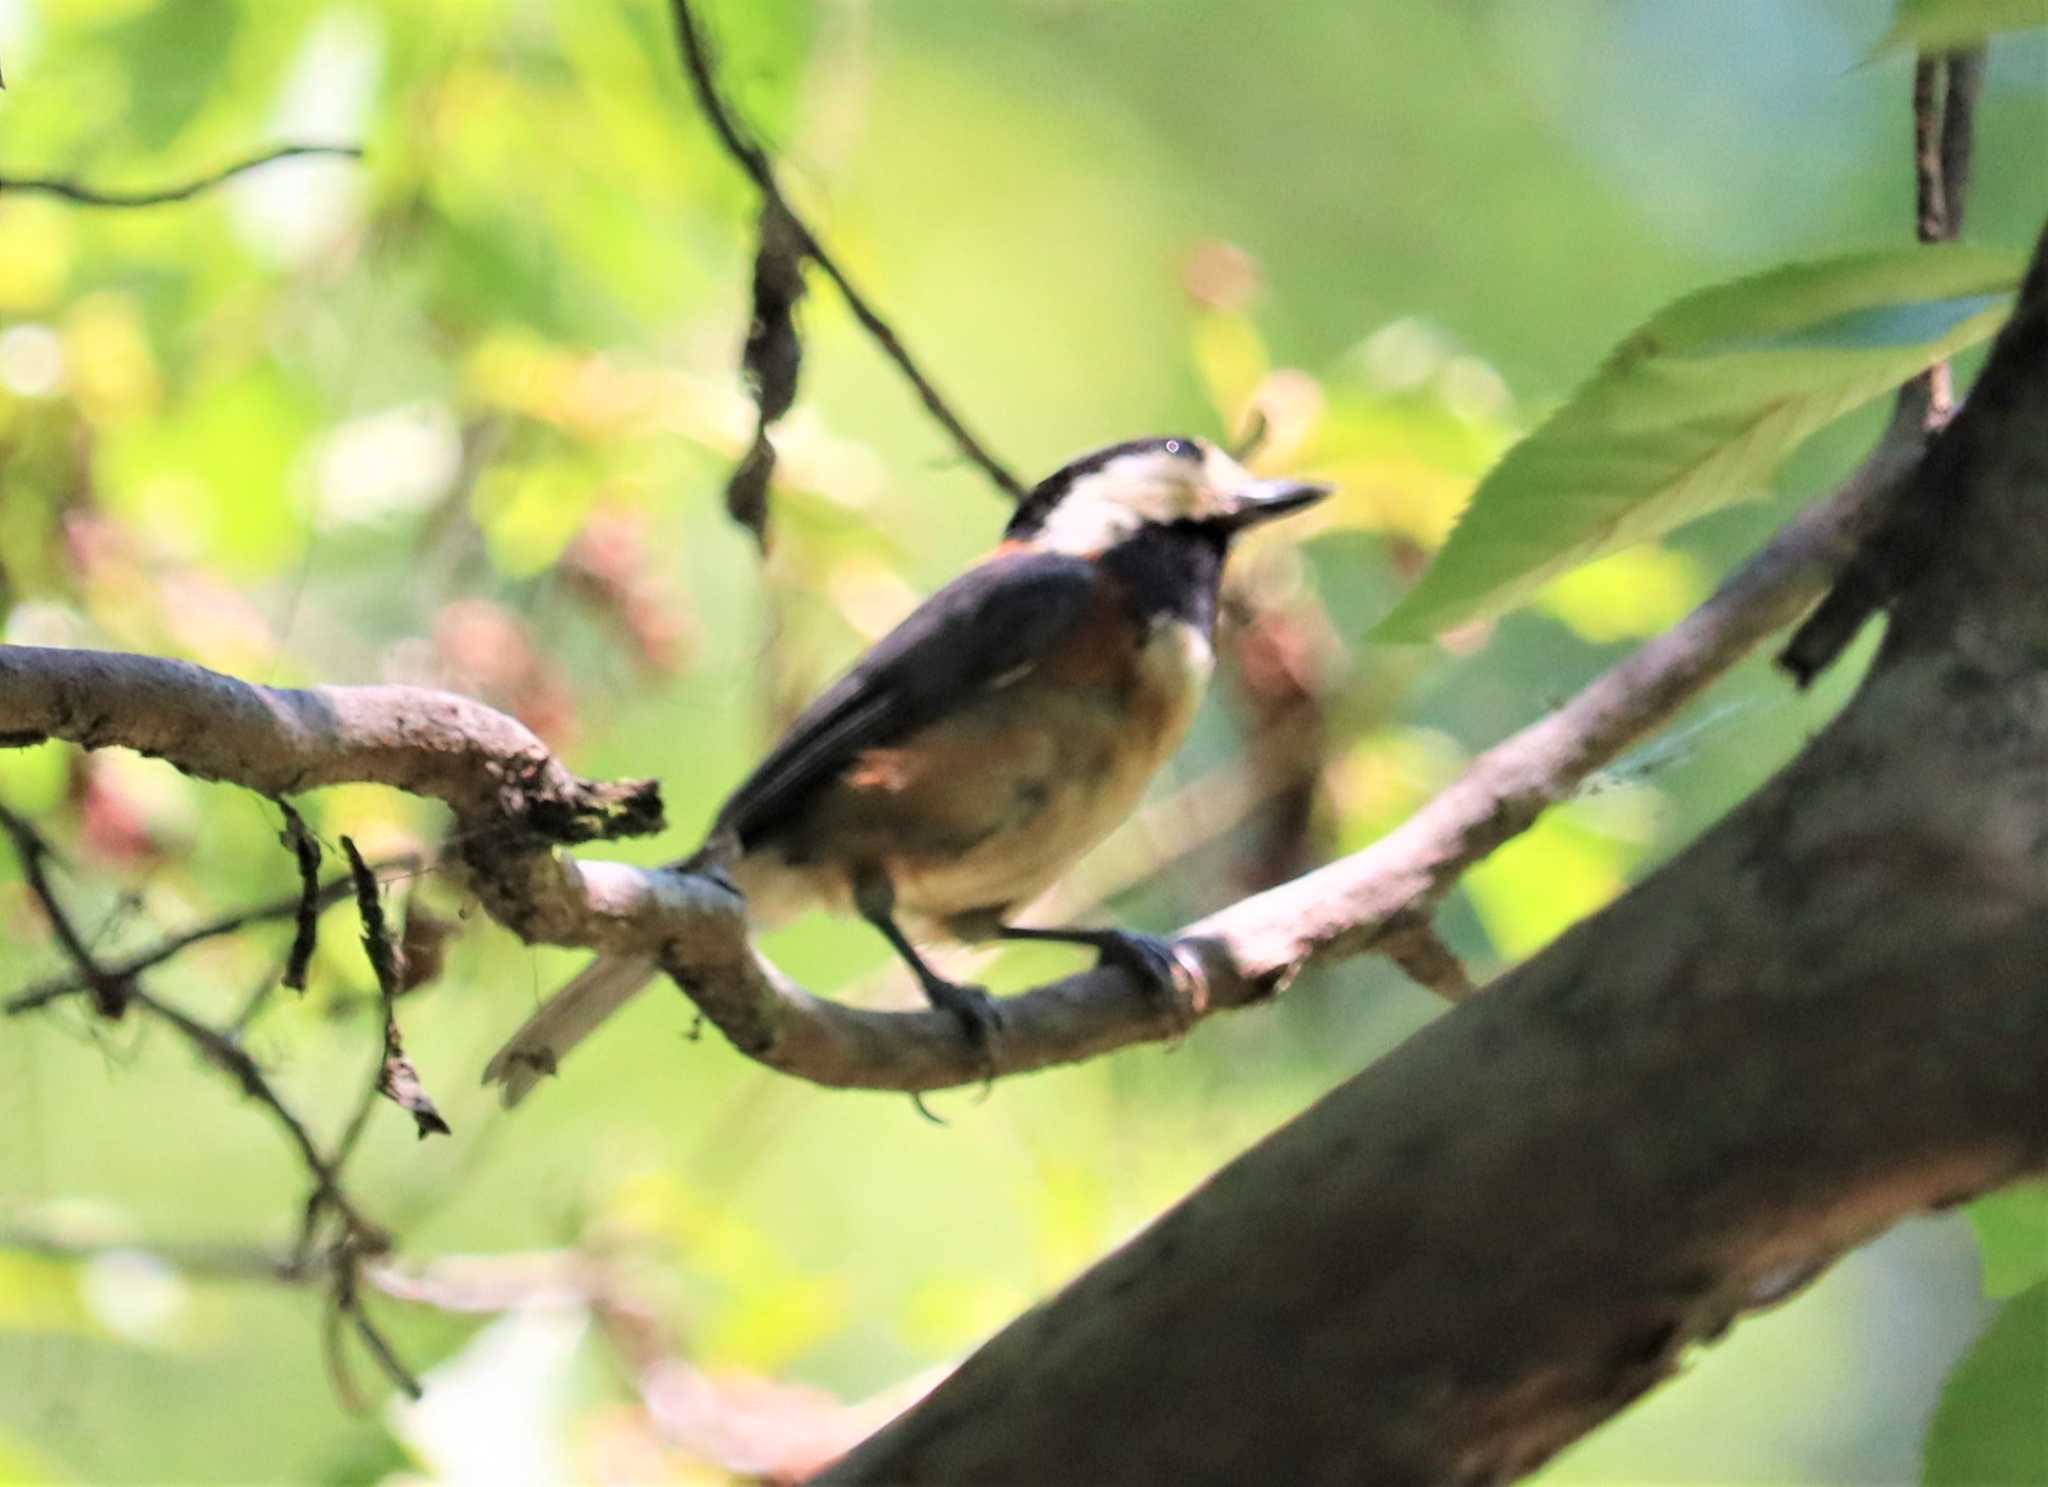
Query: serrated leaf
[(1695, 410), (2012, 1237), (1944, 25), (1992, 1423)]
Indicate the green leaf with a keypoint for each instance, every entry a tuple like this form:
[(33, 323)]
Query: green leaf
[(1943, 25), (1992, 1423), (175, 57), (2012, 1237), (1695, 410)]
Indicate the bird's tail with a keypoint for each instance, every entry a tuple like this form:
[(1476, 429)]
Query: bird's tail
[(564, 1020)]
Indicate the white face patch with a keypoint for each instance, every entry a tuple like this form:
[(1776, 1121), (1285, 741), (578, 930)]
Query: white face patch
[(1135, 490)]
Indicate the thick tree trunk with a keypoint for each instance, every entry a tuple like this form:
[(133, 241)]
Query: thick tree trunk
[(1829, 1013)]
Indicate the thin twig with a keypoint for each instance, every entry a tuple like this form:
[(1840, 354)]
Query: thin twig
[(1958, 134), (234, 1060), (111, 990), (93, 196), (396, 1079), (330, 893), (1930, 203), (339, 1379), (1421, 952), (359, 1236), (1945, 91), (755, 162), (306, 939), (348, 1302)]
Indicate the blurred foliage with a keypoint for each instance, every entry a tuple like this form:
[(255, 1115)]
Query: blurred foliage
[(2012, 1232), (461, 415), (1936, 25), (1992, 1425)]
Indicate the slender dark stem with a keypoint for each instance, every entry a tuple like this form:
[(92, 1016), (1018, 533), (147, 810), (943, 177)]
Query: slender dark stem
[(119, 990), (395, 1079), (235, 1061), (306, 852), (1930, 202), (1958, 133), (1945, 91), (330, 893), (111, 990), (377, 948), (755, 162), (348, 1302), (92, 196)]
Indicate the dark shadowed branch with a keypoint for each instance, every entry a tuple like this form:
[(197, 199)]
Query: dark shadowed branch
[(1682, 1110)]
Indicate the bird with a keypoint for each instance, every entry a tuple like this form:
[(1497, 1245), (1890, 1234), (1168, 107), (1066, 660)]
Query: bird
[(963, 764)]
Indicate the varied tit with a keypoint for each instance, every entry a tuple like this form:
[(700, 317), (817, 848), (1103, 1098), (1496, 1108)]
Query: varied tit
[(989, 740)]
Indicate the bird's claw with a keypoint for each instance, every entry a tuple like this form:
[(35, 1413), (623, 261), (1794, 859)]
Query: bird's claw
[(980, 1017), (1156, 964), (981, 1022)]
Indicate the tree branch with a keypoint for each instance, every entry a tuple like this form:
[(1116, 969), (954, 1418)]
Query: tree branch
[(752, 159), (512, 799), (498, 777), (324, 896), (1828, 1013), (92, 196), (359, 1237), (490, 770)]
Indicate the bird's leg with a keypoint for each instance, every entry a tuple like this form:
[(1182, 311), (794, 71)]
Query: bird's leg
[(1150, 958), (714, 860), (979, 1017)]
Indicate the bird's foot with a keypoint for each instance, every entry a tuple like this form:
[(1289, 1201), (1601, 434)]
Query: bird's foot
[(980, 1017), (1170, 982), (981, 1021), (1156, 965)]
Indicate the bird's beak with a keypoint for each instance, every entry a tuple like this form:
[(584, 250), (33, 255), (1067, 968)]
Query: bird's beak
[(1263, 500)]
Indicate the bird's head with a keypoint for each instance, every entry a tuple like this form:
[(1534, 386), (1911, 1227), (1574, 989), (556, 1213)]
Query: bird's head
[(1101, 499)]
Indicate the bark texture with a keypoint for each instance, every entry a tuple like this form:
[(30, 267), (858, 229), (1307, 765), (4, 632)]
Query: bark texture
[(1832, 1011)]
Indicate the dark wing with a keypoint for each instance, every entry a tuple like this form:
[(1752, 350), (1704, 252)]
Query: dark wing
[(976, 631)]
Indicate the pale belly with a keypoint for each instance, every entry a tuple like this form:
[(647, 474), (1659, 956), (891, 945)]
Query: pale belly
[(1074, 770)]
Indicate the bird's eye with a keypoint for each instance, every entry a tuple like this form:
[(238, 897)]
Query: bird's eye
[(1173, 446)]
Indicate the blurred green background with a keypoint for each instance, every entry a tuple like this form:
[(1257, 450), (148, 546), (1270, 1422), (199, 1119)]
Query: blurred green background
[(461, 414)]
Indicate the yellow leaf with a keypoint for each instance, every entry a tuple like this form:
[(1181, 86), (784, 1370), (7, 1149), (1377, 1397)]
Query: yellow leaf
[(1544, 882), (1629, 594)]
